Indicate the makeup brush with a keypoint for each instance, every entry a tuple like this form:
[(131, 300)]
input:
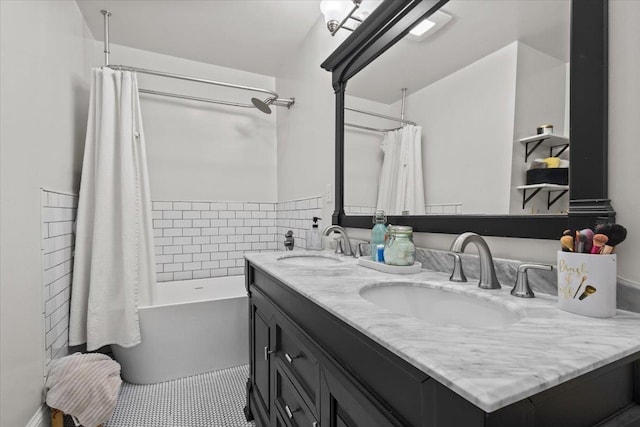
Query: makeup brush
[(588, 234), (582, 242), (616, 234), (567, 243), (599, 240)]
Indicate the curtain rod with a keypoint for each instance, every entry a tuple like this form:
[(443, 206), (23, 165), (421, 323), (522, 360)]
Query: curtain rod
[(273, 97), (353, 125), (395, 119)]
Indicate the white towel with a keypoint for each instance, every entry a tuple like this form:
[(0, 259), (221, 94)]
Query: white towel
[(84, 386)]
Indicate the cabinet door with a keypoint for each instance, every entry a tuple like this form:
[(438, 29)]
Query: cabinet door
[(343, 405), (260, 358)]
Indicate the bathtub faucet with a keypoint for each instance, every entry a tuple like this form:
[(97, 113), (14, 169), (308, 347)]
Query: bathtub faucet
[(289, 240)]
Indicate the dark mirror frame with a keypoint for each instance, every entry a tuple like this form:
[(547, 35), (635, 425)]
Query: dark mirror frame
[(588, 192)]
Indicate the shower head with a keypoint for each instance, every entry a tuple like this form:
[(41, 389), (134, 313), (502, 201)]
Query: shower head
[(262, 105)]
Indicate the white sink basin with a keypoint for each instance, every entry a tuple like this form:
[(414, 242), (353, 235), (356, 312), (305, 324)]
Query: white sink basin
[(440, 306), (310, 259)]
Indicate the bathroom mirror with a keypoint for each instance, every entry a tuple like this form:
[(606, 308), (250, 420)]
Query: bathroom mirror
[(508, 67), (471, 107)]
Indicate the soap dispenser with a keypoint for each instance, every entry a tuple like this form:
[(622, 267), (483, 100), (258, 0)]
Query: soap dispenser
[(314, 238), (378, 236)]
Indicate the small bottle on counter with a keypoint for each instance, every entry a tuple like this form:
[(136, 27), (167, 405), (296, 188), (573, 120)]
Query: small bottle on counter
[(314, 238), (399, 249), (378, 236)]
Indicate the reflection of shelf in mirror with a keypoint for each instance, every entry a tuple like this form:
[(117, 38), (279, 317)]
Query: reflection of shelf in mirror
[(549, 188), (550, 141)]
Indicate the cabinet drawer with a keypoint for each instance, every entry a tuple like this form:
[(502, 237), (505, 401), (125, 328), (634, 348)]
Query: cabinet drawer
[(298, 360), (290, 402)]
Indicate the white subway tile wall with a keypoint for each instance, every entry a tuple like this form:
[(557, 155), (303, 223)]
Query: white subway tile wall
[(442, 209), (297, 215), (192, 240), (359, 210), (58, 215), (196, 239)]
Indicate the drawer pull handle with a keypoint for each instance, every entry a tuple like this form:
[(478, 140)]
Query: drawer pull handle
[(289, 411), (315, 424), (289, 358), (267, 352)]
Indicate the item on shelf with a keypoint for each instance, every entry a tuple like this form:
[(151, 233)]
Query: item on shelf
[(544, 130), (538, 164), (558, 176)]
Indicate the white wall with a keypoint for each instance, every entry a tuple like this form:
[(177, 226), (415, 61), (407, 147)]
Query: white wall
[(500, 98), (306, 138), (199, 151), (540, 98), (624, 129), (362, 152), (44, 67), (467, 133)]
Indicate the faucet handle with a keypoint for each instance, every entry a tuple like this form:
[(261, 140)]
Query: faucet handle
[(457, 275), (339, 249), (359, 248), (521, 288), (289, 240)]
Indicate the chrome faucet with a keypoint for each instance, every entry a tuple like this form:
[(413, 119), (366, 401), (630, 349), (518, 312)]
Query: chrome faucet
[(344, 239), (488, 279)]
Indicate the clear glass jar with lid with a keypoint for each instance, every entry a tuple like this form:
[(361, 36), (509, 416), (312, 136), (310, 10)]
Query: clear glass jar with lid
[(399, 248)]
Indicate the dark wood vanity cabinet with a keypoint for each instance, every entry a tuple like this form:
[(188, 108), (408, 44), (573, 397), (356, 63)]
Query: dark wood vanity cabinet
[(309, 368)]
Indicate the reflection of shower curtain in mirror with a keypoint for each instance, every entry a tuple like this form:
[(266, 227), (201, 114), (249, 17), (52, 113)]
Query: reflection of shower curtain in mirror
[(401, 185)]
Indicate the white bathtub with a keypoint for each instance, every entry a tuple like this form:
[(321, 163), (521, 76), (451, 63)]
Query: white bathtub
[(196, 326)]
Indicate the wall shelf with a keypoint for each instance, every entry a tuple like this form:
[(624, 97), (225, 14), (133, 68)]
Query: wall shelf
[(550, 141), (549, 188)]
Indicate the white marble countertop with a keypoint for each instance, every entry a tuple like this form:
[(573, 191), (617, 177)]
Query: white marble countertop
[(491, 368)]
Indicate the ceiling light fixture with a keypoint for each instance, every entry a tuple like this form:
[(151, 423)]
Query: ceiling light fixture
[(429, 26), (337, 12)]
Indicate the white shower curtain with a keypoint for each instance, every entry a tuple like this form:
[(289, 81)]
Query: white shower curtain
[(401, 184), (114, 270)]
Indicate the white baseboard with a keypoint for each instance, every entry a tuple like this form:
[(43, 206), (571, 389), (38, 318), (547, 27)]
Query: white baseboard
[(40, 418)]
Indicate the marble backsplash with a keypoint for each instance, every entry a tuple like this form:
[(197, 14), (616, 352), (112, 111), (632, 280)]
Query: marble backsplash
[(628, 294)]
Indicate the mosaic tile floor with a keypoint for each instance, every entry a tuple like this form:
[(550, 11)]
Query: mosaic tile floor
[(213, 399)]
